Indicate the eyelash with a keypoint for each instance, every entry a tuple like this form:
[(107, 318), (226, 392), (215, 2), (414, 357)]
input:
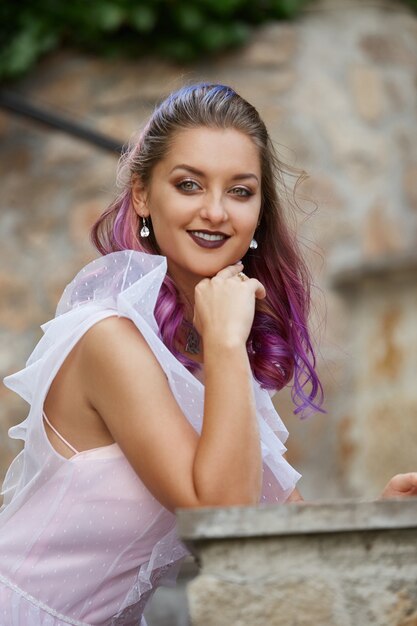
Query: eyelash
[(178, 185)]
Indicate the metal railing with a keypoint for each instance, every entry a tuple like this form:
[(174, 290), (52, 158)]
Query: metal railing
[(18, 105)]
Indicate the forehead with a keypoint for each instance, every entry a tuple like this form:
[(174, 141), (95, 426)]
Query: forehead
[(213, 149)]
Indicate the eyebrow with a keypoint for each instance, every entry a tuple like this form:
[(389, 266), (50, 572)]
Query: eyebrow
[(193, 170)]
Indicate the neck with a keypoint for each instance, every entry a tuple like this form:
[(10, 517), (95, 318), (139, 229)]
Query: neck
[(186, 284), (189, 342)]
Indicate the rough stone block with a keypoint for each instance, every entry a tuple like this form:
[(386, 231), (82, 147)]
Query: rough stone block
[(340, 564)]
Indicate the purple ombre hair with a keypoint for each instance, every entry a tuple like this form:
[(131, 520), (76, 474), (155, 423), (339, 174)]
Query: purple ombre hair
[(279, 345)]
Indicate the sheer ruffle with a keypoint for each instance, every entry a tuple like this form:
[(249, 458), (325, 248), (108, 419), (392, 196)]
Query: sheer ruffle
[(125, 284)]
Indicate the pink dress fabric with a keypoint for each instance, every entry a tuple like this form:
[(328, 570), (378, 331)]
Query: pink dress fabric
[(82, 540)]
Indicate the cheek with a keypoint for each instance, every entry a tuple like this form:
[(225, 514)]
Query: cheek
[(166, 227), (163, 218), (248, 222)]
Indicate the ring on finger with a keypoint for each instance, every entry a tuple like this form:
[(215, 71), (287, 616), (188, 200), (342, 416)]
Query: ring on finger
[(242, 276)]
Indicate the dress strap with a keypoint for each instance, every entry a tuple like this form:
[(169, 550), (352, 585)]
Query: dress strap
[(59, 434)]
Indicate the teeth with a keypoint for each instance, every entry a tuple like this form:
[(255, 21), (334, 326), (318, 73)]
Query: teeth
[(208, 237)]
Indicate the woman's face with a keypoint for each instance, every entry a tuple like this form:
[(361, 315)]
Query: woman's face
[(204, 200)]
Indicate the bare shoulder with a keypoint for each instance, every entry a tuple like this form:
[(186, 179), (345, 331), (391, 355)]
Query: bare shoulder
[(113, 339), (116, 363), (111, 329)]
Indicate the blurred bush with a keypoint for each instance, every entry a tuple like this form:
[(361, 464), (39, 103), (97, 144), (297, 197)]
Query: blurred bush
[(181, 30)]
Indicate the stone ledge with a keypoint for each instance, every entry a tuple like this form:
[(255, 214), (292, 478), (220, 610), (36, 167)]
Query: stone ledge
[(296, 519), (345, 563), (391, 268)]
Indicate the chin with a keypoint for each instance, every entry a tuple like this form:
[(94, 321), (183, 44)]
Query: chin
[(211, 269), (208, 274)]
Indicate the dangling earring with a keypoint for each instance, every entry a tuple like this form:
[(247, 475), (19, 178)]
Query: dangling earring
[(144, 231), (253, 244)]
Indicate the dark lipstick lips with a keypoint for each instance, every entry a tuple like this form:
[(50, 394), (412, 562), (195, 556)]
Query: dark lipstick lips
[(203, 243), (207, 232)]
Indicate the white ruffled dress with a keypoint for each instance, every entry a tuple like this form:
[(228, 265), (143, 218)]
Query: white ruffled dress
[(82, 540)]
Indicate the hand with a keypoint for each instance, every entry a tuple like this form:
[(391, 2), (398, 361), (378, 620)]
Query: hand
[(224, 306), (401, 486)]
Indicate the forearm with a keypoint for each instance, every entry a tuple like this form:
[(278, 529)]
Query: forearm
[(228, 462), (295, 496)]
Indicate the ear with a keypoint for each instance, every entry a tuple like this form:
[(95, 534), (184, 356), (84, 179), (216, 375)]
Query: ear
[(139, 197)]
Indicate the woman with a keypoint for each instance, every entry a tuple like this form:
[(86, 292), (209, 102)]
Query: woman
[(121, 429)]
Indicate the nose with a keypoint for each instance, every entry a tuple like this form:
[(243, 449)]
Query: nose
[(214, 209)]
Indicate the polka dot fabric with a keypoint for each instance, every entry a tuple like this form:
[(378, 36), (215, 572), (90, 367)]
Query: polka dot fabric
[(75, 547)]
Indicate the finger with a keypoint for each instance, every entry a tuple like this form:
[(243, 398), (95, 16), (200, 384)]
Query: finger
[(404, 482), (203, 281), (257, 286), (412, 480), (260, 291), (230, 270)]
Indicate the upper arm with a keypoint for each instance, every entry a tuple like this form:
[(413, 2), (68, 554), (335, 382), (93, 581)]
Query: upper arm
[(126, 385)]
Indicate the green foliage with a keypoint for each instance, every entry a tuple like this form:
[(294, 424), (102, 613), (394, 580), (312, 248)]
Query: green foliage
[(183, 30)]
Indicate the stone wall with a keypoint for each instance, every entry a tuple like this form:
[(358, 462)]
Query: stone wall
[(337, 91), (338, 564)]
